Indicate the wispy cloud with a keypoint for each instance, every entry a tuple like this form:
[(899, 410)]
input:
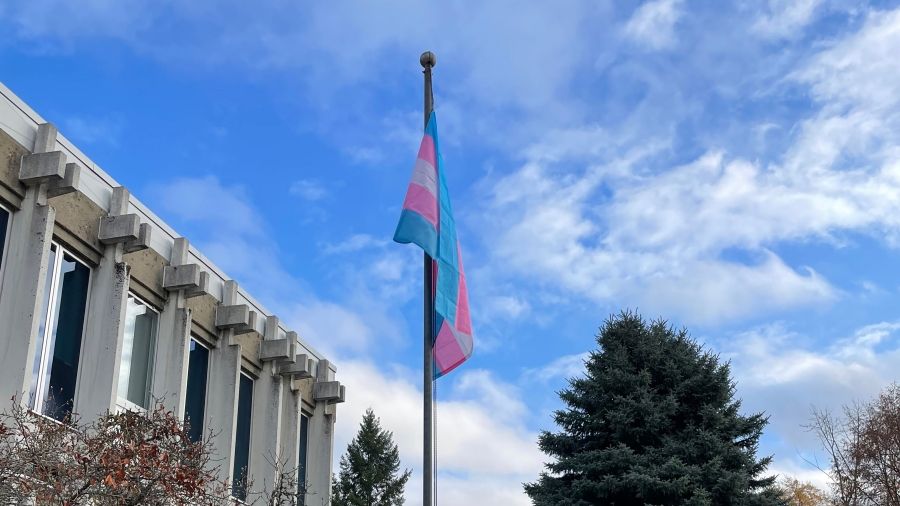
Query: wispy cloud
[(565, 367), (653, 24), (786, 18), (485, 450), (786, 374), (93, 130), (308, 189), (354, 243), (626, 227)]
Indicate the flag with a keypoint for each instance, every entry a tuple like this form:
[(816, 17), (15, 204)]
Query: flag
[(427, 220)]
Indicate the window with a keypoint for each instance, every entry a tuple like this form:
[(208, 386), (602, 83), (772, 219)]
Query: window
[(4, 223), (242, 438), (138, 348), (195, 399), (58, 343), (301, 459)]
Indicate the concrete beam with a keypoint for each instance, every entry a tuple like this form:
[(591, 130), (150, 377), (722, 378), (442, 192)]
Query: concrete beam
[(119, 229), (323, 372), (68, 184), (39, 168), (202, 287), (180, 277), (301, 368), (278, 349), (250, 327), (273, 348), (143, 239), (232, 316), (118, 203), (271, 330), (45, 140), (180, 252), (327, 391)]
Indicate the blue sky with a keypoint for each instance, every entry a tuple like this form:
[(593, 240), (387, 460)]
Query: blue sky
[(731, 168)]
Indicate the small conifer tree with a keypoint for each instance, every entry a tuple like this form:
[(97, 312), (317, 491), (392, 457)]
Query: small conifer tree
[(369, 469), (653, 421)]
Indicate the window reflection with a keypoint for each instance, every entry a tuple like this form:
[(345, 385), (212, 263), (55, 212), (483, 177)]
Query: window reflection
[(57, 352), (138, 348)]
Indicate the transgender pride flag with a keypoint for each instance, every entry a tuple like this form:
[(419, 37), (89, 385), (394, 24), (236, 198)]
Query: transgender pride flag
[(427, 220)]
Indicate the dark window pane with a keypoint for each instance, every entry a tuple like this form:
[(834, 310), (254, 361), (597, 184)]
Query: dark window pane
[(72, 302), (242, 438), (4, 221), (301, 459), (195, 400)]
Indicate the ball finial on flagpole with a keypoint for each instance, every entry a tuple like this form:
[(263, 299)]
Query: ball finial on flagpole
[(428, 60)]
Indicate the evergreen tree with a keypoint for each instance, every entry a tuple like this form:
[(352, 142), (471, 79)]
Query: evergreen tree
[(653, 421), (368, 475)]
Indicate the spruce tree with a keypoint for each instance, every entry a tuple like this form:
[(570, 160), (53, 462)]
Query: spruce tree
[(369, 469), (653, 420)]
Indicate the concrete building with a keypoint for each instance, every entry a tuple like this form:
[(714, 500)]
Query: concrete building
[(103, 306)]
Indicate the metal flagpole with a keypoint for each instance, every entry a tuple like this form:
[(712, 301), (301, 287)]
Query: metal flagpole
[(428, 61)]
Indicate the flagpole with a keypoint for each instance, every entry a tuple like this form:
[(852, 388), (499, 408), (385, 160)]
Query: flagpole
[(428, 62)]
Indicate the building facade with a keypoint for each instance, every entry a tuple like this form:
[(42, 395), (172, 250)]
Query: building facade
[(104, 307)]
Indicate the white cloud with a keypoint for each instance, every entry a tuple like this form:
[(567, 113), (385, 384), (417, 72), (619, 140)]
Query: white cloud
[(506, 306), (352, 244), (308, 189), (653, 24), (62, 22), (330, 327), (489, 47), (239, 243), (786, 18), (94, 130), (484, 451), (785, 374), (622, 227), (565, 367)]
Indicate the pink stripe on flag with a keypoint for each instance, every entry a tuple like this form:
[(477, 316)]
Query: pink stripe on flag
[(463, 318), (426, 150), (447, 353), (422, 201)]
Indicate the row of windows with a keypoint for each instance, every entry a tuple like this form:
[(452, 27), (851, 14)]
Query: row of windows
[(58, 346)]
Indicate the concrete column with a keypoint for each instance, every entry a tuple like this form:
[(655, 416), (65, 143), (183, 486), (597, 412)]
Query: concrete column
[(290, 427), (25, 273), (222, 391), (25, 276), (266, 427), (321, 445), (173, 343), (101, 349)]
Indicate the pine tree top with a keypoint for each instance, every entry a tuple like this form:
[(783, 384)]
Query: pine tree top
[(369, 470), (653, 420)]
